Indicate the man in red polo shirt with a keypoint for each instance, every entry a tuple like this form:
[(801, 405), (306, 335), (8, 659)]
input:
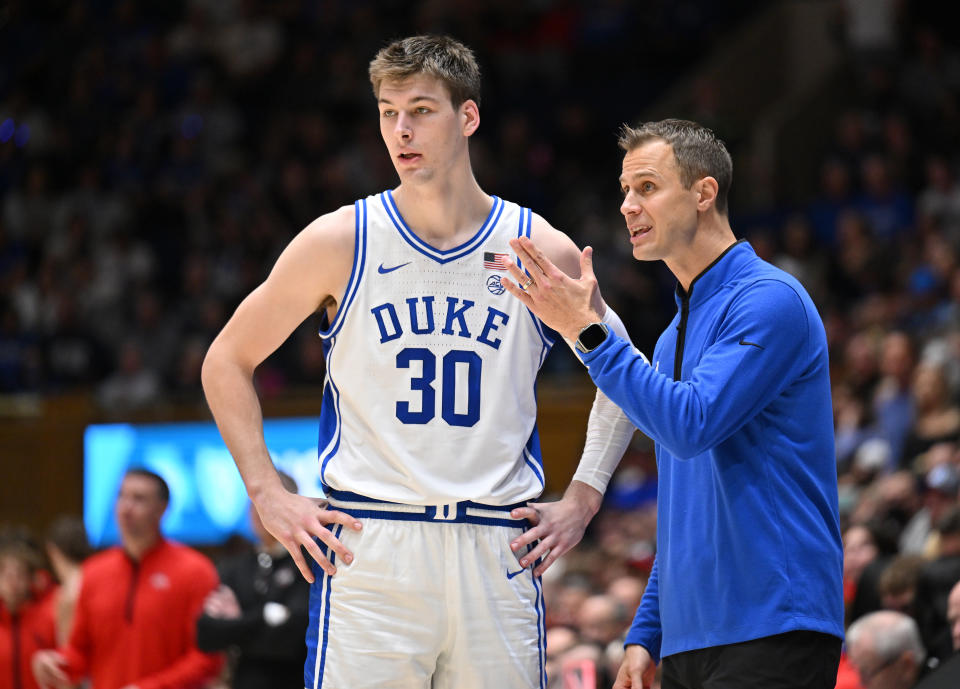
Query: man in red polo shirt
[(138, 605)]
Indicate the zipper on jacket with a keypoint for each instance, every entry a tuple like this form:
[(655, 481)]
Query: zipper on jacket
[(132, 593), (681, 335), (15, 636)]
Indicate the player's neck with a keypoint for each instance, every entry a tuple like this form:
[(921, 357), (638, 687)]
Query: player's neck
[(444, 212)]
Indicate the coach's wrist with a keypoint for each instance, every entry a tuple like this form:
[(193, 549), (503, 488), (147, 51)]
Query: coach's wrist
[(584, 495)]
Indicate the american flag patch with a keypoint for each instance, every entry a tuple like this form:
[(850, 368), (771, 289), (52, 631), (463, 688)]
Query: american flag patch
[(493, 261)]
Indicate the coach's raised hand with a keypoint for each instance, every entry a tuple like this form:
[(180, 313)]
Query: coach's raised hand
[(560, 301), (295, 520)]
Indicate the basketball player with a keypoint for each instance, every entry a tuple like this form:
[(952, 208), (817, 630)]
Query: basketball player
[(428, 442)]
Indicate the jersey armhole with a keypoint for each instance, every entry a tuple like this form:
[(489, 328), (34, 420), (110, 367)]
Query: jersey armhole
[(329, 330)]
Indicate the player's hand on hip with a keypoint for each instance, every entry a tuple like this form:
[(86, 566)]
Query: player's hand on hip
[(636, 670), (48, 670), (558, 526), (295, 521), (557, 299)]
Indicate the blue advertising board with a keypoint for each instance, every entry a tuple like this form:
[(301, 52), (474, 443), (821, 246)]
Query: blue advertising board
[(208, 502)]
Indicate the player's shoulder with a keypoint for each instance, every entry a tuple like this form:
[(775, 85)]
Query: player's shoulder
[(558, 247), (324, 245), (333, 226)]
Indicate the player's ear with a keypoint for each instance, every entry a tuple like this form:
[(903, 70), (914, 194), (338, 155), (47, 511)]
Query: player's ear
[(469, 117)]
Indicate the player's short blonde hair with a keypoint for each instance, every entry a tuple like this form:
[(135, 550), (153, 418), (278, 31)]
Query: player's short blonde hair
[(441, 57)]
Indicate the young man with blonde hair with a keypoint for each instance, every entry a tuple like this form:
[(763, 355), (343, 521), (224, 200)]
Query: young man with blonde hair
[(428, 443)]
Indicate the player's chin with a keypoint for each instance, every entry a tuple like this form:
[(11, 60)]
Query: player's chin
[(414, 175)]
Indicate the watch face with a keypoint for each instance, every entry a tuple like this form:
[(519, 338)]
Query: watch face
[(591, 337)]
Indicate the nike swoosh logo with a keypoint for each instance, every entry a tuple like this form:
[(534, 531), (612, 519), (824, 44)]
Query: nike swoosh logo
[(511, 575), (384, 271), (752, 344)]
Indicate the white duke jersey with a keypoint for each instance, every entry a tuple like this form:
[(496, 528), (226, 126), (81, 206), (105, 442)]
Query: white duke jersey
[(429, 392)]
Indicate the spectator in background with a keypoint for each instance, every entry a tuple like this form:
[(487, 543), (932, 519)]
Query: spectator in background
[(941, 485), (935, 581), (132, 385), (602, 619), (860, 552), (259, 611), (937, 414), (628, 590), (26, 619), (953, 616), (885, 648), (947, 675), (67, 548), (560, 640), (898, 584), (892, 401), (135, 621), (887, 208)]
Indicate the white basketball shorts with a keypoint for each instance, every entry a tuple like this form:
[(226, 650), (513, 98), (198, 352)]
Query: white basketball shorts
[(434, 599)]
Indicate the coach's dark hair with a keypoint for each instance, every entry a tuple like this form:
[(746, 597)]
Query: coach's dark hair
[(163, 490), (698, 151), (441, 57)]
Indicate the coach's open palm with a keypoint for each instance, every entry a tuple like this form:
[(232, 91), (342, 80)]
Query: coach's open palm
[(295, 521)]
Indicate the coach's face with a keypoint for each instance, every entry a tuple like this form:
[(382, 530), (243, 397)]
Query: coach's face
[(661, 214), (425, 135), (139, 508)]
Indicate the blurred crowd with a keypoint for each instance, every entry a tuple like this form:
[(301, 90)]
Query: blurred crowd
[(155, 159), (152, 166)]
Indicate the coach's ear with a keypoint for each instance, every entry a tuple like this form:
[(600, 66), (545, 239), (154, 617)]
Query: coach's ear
[(706, 189), (469, 117)]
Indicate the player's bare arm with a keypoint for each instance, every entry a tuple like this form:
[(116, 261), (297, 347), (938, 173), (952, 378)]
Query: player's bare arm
[(558, 526), (310, 274)]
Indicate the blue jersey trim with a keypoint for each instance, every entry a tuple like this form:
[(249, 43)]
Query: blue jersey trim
[(523, 230), (532, 450), (319, 624), (539, 605), (381, 509), (332, 424), (445, 255), (356, 271), (326, 612), (348, 496), (414, 517)]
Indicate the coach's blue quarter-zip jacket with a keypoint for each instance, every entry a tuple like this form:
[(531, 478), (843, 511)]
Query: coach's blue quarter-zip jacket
[(738, 403)]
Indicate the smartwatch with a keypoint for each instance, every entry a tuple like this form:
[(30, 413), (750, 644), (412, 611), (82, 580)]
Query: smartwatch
[(592, 336)]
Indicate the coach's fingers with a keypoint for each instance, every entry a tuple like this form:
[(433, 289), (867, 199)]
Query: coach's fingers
[(586, 263), (531, 255), (527, 253), (514, 289), (541, 550), (529, 513), (519, 276)]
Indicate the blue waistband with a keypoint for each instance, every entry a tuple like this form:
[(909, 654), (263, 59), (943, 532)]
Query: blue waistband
[(463, 512)]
